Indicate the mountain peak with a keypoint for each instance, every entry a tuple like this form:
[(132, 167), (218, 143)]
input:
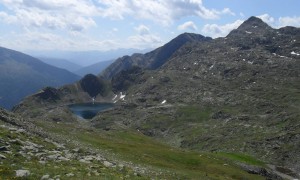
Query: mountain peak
[(253, 22), (252, 26), (191, 37)]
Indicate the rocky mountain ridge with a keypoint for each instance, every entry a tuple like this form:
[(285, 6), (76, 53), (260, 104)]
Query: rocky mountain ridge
[(153, 59)]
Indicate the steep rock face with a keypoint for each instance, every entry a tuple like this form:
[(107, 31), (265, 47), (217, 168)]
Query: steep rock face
[(153, 59), (22, 75), (92, 85), (232, 94), (126, 78), (49, 94)]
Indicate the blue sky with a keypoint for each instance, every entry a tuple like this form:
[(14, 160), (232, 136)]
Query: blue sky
[(81, 25)]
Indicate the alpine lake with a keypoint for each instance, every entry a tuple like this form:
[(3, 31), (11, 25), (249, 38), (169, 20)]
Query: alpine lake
[(89, 110)]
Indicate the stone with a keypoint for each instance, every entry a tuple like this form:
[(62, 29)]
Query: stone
[(70, 175), (21, 131), (2, 156), (68, 155), (89, 158), (107, 164), (63, 158), (42, 162), (121, 166), (40, 154), (84, 161), (22, 173), (45, 177), (53, 157)]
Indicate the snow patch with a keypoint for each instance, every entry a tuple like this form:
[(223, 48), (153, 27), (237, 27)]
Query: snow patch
[(282, 56), (248, 32), (212, 66), (115, 97), (294, 53), (163, 102), (122, 96), (250, 62)]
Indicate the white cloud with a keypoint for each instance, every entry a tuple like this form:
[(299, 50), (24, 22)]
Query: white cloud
[(227, 11), (114, 9), (187, 25), (49, 41), (267, 18), (281, 21), (50, 14), (7, 18), (289, 21), (215, 30), (143, 39), (58, 14), (164, 12), (142, 30)]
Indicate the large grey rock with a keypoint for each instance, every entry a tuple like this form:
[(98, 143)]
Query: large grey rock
[(22, 173), (45, 177), (70, 175), (107, 164), (2, 156)]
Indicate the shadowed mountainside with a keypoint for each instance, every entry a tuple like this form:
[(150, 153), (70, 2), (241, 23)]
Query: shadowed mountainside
[(22, 75)]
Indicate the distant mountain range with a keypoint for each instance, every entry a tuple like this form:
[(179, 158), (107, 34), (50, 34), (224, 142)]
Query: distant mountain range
[(85, 58), (61, 63), (22, 75), (95, 69)]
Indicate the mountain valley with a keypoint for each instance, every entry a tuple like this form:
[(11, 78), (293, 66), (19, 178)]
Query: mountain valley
[(195, 108)]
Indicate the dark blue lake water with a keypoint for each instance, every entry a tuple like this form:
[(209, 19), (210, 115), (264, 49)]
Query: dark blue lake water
[(89, 110)]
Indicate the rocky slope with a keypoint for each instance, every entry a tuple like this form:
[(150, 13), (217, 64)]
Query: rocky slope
[(37, 149), (22, 75), (153, 59), (235, 94), (29, 152)]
